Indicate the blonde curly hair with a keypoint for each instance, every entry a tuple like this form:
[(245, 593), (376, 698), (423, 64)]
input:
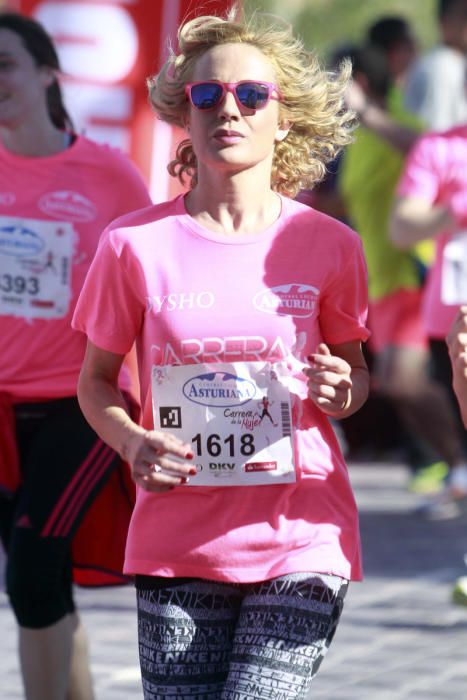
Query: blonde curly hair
[(313, 101)]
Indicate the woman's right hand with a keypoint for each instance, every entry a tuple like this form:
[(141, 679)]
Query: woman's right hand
[(154, 458)]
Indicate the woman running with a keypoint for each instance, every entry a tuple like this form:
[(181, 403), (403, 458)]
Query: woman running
[(245, 533), (57, 193)]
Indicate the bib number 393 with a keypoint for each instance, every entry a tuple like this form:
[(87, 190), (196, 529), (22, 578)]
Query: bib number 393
[(35, 267), (237, 417)]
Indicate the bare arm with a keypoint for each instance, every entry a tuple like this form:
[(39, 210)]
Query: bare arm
[(152, 455), (377, 119), (457, 346), (413, 219), (338, 378)]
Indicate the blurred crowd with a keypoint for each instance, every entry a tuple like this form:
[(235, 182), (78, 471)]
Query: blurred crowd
[(402, 186)]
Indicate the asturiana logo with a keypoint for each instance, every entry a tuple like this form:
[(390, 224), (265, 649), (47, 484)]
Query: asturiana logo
[(68, 206), (19, 241), (219, 390), (297, 300)]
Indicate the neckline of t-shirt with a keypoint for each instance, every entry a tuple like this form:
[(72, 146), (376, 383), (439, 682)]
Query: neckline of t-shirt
[(230, 239), (17, 157)]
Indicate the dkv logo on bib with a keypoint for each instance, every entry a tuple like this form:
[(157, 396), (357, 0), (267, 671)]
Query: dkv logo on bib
[(294, 299), (219, 390)]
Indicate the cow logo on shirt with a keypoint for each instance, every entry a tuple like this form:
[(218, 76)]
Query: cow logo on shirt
[(296, 300), (219, 389), (67, 206)]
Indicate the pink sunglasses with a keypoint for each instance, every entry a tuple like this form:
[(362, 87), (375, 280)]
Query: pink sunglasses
[(251, 94)]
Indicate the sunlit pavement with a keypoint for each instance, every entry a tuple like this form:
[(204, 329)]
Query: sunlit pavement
[(400, 637)]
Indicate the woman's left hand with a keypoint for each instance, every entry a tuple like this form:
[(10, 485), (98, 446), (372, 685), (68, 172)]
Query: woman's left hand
[(329, 381)]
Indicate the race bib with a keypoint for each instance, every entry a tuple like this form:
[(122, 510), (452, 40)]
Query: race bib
[(35, 267), (236, 416), (454, 270)]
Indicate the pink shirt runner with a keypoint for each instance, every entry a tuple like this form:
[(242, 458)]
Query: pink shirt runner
[(74, 194), (190, 295), (436, 171)]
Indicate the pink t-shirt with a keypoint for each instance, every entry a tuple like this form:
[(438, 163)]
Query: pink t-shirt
[(436, 171), (52, 212), (190, 295)]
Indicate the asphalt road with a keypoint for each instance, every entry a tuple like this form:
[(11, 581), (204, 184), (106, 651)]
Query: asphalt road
[(400, 637)]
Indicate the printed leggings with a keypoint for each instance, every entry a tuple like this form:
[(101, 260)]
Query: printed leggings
[(210, 640)]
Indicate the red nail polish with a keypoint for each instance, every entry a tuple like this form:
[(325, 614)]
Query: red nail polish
[(185, 480), (193, 472), (189, 455)]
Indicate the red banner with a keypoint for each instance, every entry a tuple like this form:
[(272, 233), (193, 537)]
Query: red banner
[(107, 49)]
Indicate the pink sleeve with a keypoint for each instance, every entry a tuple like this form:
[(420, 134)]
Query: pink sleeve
[(109, 310), (344, 303), (420, 175), (131, 190)]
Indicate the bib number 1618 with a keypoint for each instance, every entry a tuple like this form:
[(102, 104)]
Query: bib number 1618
[(214, 444)]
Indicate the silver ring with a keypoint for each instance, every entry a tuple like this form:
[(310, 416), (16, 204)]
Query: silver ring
[(156, 468)]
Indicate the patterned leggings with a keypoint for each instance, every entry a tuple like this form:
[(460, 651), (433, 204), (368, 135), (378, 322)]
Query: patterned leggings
[(209, 640)]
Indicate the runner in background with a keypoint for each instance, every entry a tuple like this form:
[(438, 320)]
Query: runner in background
[(399, 340), (393, 35), (435, 86), (57, 192), (432, 203), (245, 534)]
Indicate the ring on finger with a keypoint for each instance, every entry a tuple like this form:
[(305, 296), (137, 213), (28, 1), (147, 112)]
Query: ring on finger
[(156, 468)]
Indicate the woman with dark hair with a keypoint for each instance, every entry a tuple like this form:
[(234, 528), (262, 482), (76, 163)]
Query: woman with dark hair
[(58, 192), (37, 43)]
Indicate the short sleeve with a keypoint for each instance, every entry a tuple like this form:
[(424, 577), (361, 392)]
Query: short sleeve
[(110, 310), (130, 190), (420, 175), (344, 302)]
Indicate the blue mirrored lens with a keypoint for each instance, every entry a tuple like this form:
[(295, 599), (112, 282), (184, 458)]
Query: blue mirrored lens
[(252, 95), (206, 95)]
